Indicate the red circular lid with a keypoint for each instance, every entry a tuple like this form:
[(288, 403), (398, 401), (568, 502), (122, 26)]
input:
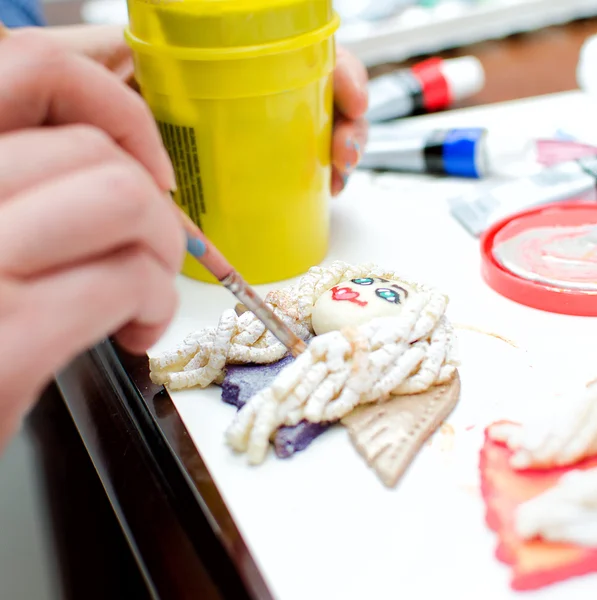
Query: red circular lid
[(535, 294)]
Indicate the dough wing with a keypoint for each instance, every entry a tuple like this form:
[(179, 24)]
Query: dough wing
[(389, 435)]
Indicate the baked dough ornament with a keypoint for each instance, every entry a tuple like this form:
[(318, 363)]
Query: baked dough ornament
[(539, 482), (380, 359)]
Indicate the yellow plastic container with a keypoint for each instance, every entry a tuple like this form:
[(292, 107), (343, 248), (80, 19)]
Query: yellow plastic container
[(242, 92)]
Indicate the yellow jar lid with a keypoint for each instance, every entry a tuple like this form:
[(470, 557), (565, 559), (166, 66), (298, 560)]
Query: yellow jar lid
[(227, 25)]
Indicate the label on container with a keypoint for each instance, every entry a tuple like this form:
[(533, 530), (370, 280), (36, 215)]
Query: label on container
[(181, 144)]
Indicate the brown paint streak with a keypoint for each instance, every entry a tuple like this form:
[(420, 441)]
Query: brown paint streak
[(488, 333)]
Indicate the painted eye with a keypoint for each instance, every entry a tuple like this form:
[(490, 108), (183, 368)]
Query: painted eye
[(363, 281), (388, 295)]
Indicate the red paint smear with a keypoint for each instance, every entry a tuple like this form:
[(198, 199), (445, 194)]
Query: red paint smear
[(553, 152), (469, 428), (535, 563), (346, 294)]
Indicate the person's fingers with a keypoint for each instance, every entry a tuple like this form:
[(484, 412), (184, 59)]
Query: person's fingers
[(17, 373), (86, 303), (348, 143), (31, 156), (350, 85), (46, 85), (338, 182), (137, 339), (104, 44), (79, 216), (350, 129)]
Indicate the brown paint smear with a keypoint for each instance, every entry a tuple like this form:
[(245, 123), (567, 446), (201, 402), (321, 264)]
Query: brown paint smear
[(488, 333)]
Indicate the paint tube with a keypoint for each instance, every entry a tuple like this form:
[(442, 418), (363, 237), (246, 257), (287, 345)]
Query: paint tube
[(478, 210), (429, 86), (473, 152), (586, 76)]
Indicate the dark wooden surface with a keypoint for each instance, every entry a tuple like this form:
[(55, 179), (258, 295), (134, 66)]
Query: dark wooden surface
[(521, 66), (92, 555), (178, 442), (95, 390)]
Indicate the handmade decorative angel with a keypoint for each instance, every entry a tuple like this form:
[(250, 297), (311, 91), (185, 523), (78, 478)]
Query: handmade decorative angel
[(380, 359)]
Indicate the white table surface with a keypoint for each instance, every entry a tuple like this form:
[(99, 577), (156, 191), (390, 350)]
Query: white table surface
[(321, 525)]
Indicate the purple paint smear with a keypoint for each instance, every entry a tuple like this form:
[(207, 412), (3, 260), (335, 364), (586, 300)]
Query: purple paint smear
[(242, 382)]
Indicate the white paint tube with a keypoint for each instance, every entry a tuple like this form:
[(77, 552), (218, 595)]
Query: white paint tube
[(489, 203)]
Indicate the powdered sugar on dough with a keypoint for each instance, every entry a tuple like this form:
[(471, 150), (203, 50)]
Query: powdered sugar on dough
[(201, 358)]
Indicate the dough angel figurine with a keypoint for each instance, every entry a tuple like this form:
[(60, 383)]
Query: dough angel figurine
[(539, 480), (380, 360)]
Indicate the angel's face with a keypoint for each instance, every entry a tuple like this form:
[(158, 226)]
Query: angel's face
[(354, 302)]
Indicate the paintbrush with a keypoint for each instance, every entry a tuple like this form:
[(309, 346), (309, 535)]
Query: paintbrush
[(211, 258)]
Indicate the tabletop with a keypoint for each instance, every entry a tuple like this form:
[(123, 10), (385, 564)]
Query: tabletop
[(178, 553), (372, 541)]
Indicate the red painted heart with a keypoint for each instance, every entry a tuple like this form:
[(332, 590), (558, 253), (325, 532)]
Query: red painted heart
[(346, 293)]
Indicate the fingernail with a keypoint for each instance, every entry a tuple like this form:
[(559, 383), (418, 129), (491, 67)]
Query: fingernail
[(353, 145), (195, 246)]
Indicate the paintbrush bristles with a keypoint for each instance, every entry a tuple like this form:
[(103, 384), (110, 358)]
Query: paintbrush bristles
[(298, 348)]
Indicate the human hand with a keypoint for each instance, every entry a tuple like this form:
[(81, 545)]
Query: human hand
[(89, 243), (350, 127), (105, 44)]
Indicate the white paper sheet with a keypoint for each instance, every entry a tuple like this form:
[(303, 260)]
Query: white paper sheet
[(320, 525)]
